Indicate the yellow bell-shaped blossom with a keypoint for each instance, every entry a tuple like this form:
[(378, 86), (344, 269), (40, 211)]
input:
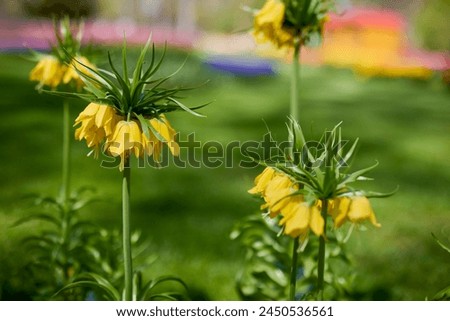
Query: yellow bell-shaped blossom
[(49, 71), (98, 123), (278, 191), (126, 139), (71, 75), (152, 145), (275, 188), (278, 194), (262, 180), (355, 209), (299, 217), (268, 25)]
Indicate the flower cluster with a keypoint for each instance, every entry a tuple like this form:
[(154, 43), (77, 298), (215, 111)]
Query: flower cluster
[(50, 71), (61, 65), (281, 196), (127, 114), (286, 22), (101, 124), (307, 195)]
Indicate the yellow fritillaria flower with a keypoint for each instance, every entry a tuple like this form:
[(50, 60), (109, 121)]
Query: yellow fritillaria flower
[(268, 25), (71, 75), (127, 138), (262, 180), (162, 126), (100, 123), (277, 194), (299, 217), (278, 191), (275, 188), (49, 71), (97, 123), (355, 209)]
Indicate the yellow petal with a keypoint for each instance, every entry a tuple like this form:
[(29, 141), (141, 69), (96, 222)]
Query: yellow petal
[(339, 210), (360, 210), (262, 180), (297, 222), (317, 223)]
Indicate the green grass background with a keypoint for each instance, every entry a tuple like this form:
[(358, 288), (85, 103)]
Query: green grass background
[(186, 214)]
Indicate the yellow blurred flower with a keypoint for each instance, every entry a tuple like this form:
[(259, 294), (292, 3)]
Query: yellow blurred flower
[(49, 71), (268, 25), (355, 209), (71, 75), (97, 124)]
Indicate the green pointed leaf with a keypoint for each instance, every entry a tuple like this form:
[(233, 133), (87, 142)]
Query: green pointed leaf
[(354, 176), (446, 248), (144, 124), (156, 133), (124, 62), (139, 64), (146, 291), (349, 154), (125, 90), (185, 108), (38, 217), (92, 285), (152, 70)]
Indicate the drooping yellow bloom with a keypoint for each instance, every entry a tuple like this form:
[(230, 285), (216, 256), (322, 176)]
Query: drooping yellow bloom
[(126, 139), (355, 209), (163, 128), (101, 124), (98, 123), (268, 25), (299, 217), (279, 193), (71, 75), (262, 180), (274, 187), (49, 71), (152, 145)]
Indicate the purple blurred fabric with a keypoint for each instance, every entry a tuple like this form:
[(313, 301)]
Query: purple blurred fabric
[(241, 66)]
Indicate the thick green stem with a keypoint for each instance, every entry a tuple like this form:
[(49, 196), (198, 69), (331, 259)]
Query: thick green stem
[(293, 280), (128, 266), (65, 188), (321, 262), (295, 83)]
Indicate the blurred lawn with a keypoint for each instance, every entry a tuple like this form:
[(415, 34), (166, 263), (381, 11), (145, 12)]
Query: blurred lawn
[(188, 213)]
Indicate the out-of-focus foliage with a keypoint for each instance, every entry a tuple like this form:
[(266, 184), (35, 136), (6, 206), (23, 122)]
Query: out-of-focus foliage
[(443, 295), (433, 24), (67, 245), (266, 269), (59, 8)]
